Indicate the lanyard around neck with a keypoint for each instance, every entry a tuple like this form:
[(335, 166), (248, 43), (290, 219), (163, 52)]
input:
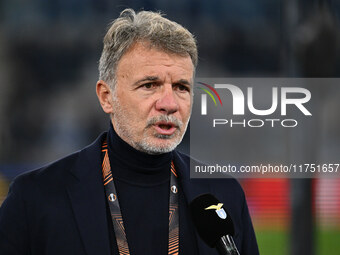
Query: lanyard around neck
[(117, 219)]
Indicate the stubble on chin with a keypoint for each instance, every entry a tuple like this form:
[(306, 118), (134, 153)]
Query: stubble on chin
[(151, 142)]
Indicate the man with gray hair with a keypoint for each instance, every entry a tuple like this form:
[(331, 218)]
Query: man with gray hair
[(128, 192)]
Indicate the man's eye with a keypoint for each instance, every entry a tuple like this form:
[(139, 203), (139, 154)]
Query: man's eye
[(182, 88), (148, 85)]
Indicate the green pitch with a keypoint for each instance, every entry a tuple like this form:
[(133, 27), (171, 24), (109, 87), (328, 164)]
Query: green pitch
[(276, 242)]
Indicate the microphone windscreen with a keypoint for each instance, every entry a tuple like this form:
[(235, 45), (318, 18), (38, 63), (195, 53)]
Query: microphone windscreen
[(211, 219)]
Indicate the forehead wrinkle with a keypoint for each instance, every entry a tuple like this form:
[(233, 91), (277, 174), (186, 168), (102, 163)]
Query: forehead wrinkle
[(128, 65)]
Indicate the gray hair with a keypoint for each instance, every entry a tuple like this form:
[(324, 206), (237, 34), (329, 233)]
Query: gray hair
[(152, 27)]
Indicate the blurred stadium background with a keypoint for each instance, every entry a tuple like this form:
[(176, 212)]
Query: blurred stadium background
[(48, 69)]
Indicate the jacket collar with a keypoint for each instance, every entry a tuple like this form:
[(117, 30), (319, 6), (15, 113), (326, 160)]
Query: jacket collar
[(87, 195), (192, 188)]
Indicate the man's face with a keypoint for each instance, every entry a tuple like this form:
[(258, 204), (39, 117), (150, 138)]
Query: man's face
[(152, 99)]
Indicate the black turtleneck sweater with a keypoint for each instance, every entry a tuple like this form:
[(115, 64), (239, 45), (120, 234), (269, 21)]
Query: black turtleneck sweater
[(143, 184)]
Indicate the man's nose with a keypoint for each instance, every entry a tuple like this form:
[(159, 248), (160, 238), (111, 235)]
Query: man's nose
[(167, 102)]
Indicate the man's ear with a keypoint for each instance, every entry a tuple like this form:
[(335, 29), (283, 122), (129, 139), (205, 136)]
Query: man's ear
[(104, 94)]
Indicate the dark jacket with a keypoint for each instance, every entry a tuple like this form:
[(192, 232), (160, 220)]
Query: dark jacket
[(61, 208)]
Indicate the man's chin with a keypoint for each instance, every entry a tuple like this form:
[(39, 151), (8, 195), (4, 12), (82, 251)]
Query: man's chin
[(158, 145)]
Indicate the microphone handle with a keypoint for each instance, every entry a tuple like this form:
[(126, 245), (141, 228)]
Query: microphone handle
[(226, 246)]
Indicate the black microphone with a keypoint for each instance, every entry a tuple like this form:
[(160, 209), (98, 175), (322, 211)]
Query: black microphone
[(213, 224)]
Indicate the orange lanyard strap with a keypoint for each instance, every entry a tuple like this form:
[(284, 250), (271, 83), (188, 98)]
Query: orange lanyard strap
[(117, 219)]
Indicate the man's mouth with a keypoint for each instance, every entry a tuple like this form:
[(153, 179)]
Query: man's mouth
[(165, 128)]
